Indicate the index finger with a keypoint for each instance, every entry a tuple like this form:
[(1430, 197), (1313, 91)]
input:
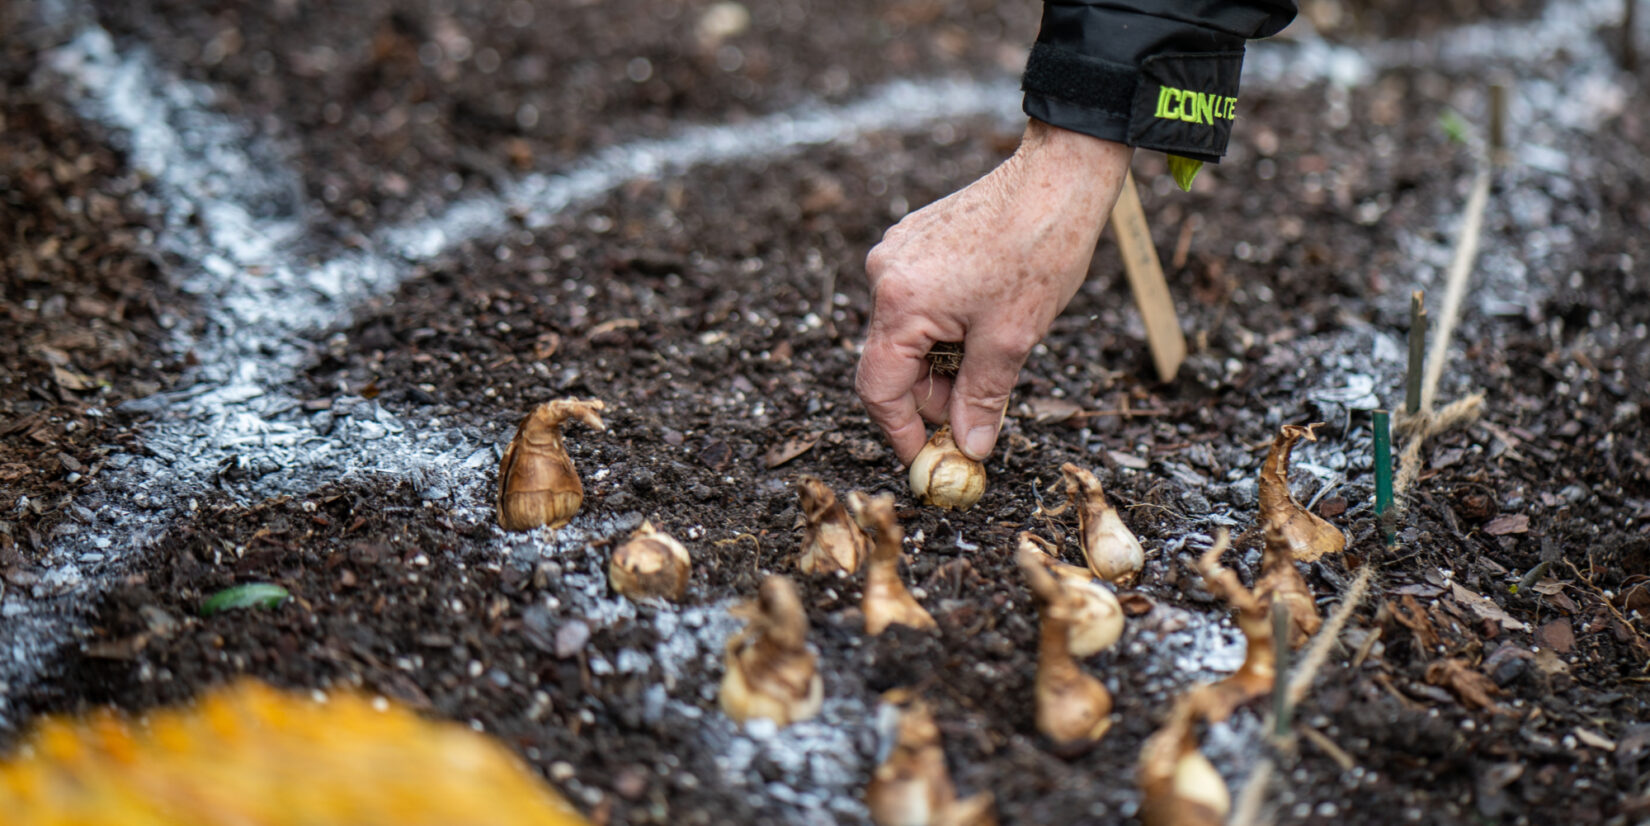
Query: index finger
[(889, 367)]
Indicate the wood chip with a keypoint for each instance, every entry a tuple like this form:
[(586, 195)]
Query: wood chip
[(1557, 635), (71, 380), (1594, 739), (1129, 460), (1485, 608), (1508, 523), (1547, 660)]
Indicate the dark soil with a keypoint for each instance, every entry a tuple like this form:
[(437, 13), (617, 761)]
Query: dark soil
[(716, 314), (403, 105), (84, 314)]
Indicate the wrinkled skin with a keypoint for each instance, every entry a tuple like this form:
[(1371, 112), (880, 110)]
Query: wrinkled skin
[(990, 266)]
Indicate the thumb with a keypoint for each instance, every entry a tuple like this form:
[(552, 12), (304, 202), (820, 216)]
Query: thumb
[(979, 396)]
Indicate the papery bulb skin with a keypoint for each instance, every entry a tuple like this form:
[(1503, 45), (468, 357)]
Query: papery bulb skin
[(911, 786), (1179, 786), (831, 543), (537, 483), (1281, 582), (1096, 615), (771, 671), (1255, 677), (650, 565), (887, 601), (1073, 709), (1286, 522), (1113, 552)]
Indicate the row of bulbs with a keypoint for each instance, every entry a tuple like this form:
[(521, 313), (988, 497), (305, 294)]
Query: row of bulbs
[(772, 673)]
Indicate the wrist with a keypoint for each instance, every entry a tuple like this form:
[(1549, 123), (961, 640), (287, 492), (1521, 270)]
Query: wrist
[(1045, 143)]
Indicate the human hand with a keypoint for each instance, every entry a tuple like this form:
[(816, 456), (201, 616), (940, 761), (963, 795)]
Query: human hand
[(990, 265)]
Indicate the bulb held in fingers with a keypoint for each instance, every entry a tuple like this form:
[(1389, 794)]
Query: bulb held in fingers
[(1113, 552), (1286, 522), (886, 602), (832, 542), (1073, 708), (942, 475), (771, 672), (537, 484), (1179, 786), (1096, 615), (648, 565), (911, 786)]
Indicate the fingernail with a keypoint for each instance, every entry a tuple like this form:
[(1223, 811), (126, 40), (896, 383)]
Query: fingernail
[(977, 444)]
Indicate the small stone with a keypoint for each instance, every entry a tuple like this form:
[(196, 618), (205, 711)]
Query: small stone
[(571, 638), (630, 783)]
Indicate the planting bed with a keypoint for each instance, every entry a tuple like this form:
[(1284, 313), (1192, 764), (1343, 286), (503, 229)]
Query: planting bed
[(343, 294)]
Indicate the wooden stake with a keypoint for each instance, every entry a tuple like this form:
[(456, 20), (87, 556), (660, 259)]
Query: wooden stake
[(1498, 125), (1417, 352), (1145, 274)]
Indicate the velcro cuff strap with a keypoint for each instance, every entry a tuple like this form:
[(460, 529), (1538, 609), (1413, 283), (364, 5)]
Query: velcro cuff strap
[(1077, 78), (1185, 103)]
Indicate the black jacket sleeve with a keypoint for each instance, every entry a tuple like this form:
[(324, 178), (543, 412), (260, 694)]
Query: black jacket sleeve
[(1155, 74)]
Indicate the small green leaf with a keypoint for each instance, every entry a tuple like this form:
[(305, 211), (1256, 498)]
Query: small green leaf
[(1455, 126), (1184, 171), (252, 595)]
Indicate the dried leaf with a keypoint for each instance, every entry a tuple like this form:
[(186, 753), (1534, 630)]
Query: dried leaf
[(1485, 608), (1508, 523), (1471, 687), (1548, 587), (791, 448), (1409, 614), (1557, 635)]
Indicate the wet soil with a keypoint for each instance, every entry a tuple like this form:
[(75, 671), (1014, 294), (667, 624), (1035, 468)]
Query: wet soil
[(716, 312)]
